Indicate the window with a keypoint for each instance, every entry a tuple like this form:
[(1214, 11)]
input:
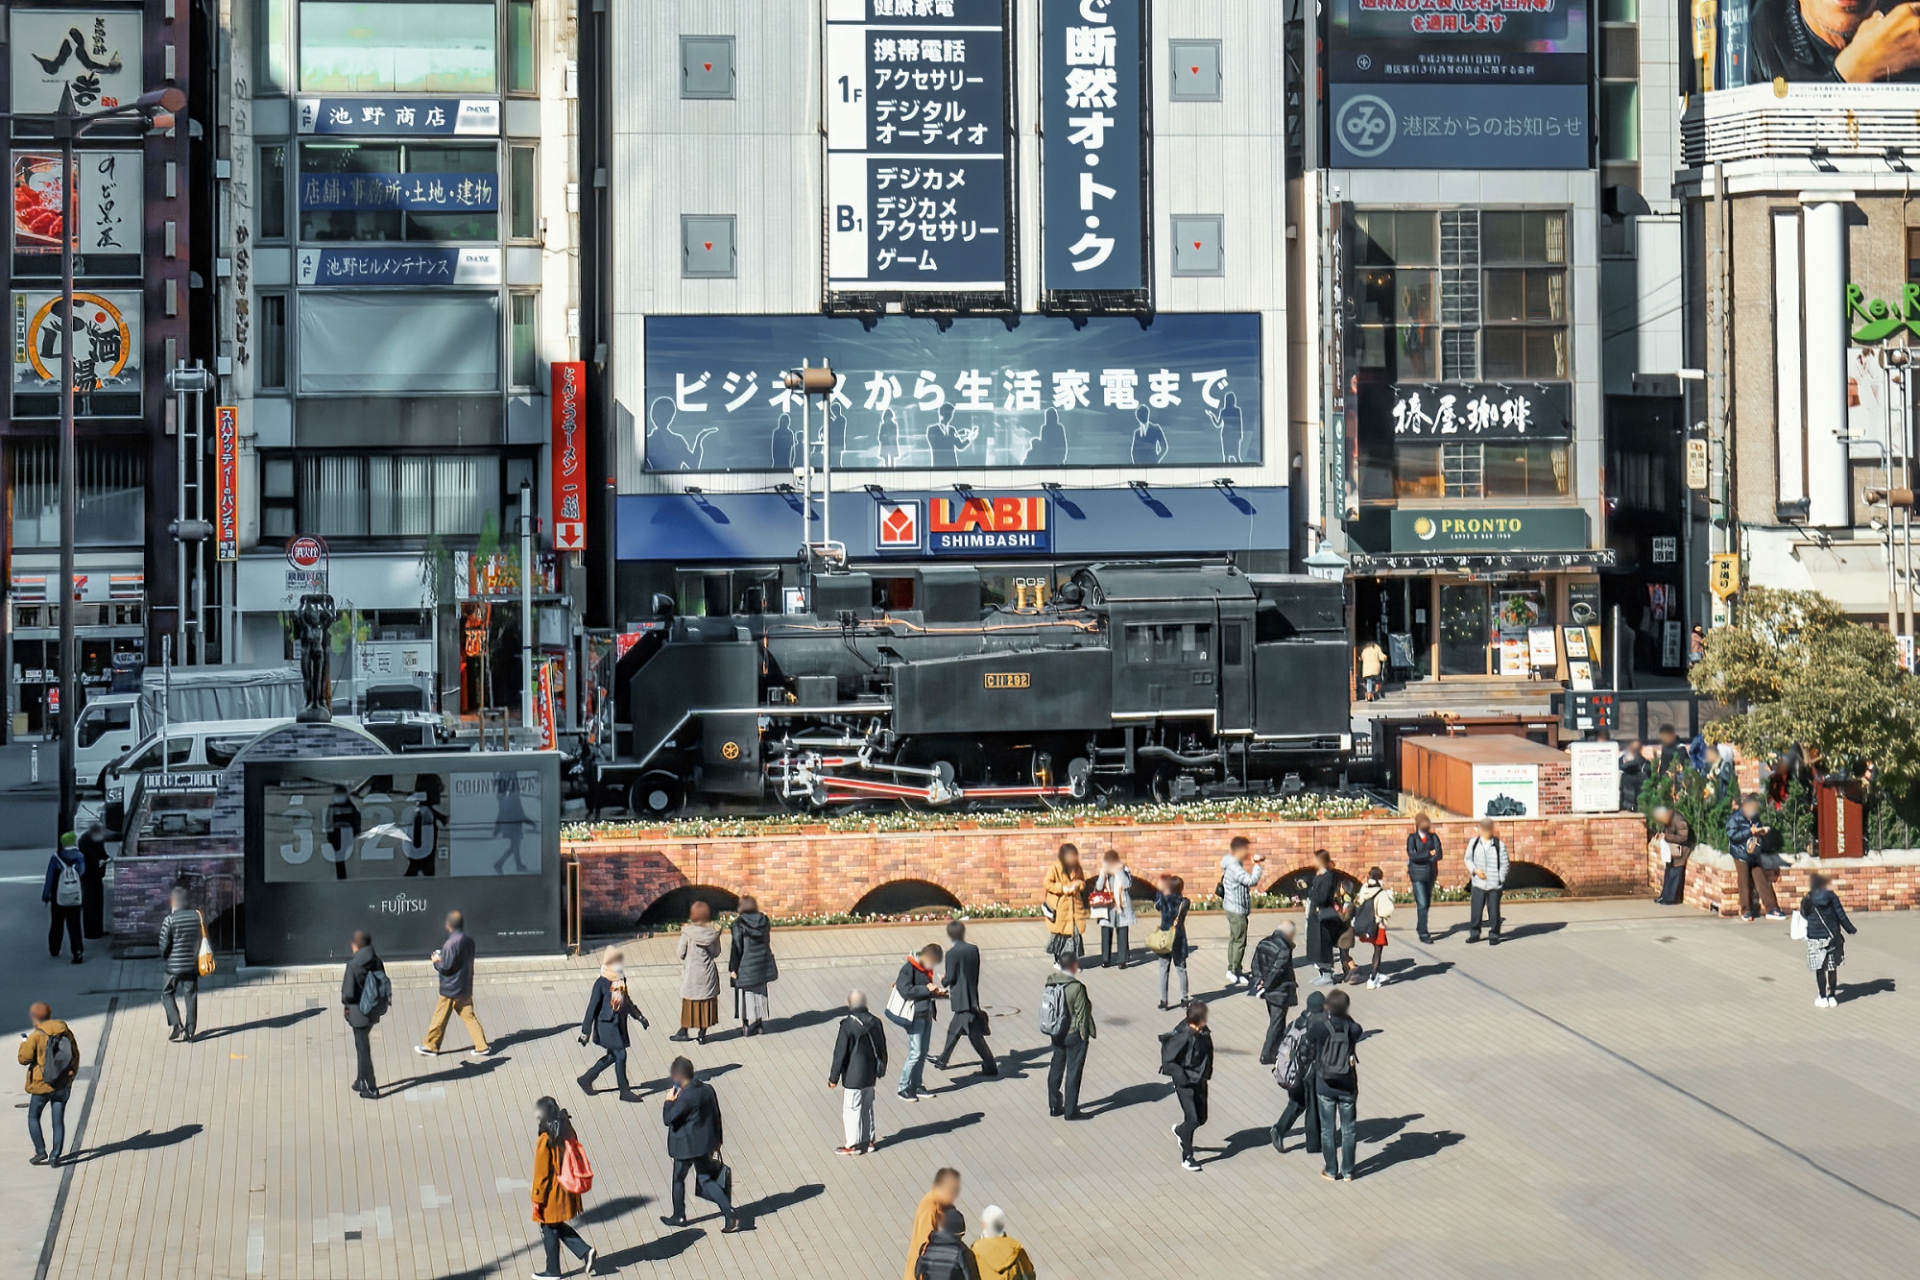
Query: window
[(273, 192), (271, 74), (1619, 101), (276, 496), (521, 193), (221, 751), (398, 342), (110, 480), (1170, 643), (271, 342), (522, 55), (397, 47), (100, 721), (521, 364), (1460, 471), (1481, 469), (1459, 295), (389, 191), (179, 751), (1231, 651), (397, 495)]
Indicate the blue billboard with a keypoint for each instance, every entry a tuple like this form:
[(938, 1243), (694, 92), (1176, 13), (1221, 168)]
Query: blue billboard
[(971, 392), (1091, 108)]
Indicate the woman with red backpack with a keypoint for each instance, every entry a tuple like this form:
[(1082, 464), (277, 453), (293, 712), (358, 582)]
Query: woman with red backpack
[(561, 1175)]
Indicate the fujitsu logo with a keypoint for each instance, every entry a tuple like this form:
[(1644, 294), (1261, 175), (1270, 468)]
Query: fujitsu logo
[(401, 905)]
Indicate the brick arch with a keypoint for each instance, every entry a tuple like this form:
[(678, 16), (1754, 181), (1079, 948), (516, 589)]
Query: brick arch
[(673, 903), (1294, 883), (904, 893)]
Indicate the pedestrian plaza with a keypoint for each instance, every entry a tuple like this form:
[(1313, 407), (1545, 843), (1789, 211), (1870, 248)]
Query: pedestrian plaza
[(1622, 1089)]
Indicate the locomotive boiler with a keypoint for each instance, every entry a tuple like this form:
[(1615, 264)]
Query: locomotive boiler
[(1158, 679)]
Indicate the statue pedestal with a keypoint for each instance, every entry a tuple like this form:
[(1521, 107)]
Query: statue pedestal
[(314, 715)]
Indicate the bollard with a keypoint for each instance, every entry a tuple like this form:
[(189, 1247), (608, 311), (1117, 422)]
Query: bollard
[(34, 756)]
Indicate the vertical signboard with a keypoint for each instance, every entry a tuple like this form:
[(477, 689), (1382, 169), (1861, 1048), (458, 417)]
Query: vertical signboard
[(569, 456), (916, 145), (1091, 102), (106, 241), (226, 476), (1458, 84)]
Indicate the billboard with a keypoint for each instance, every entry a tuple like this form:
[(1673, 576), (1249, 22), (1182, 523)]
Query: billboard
[(226, 487), (569, 455), (970, 392), (107, 200), (106, 354), (95, 53), (1458, 84), (1091, 107), (916, 127), (1745, 42), (391, 844)]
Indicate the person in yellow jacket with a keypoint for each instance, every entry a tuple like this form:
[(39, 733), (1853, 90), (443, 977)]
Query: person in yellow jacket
[(998, 1255), (933, 1207), (51, 1055), (1064, 899)]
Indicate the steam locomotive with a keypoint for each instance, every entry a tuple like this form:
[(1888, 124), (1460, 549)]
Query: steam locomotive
[(1168, 680)]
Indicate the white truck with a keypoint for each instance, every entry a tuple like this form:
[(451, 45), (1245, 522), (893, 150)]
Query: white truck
[(112, 724)]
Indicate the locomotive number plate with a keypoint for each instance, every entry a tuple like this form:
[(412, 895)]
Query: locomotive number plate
[(1008, 680)]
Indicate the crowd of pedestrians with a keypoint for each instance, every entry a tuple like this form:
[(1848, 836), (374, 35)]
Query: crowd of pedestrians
[(1314, 1056)]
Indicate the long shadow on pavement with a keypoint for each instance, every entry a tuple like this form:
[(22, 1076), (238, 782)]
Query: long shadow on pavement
[(1245, 1140), (530, 1033), (1130, 1096), (1408, 1146), (808, 1018), (752, 1213), (1409, 971), (146, 1141), (664, 1084), (279, 1022), (1861, 990), (465, 1071), (660, 1249), (1533, 930), (934, 1128), (608, 1210), (1374, 1129)]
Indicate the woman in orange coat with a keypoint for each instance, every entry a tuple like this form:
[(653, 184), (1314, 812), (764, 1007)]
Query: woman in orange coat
[(1064, 895), (554, 1207)]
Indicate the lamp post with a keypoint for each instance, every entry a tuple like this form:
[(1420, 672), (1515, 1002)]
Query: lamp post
[(68, 124)]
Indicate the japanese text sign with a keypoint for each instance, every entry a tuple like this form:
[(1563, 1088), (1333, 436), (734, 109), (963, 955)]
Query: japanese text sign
[(569, 455), (1090, 110), (1455, 411), (415, 117), (226, 488)]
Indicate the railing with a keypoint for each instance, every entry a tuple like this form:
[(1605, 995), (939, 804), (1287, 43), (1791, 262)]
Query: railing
[(1804, 121)]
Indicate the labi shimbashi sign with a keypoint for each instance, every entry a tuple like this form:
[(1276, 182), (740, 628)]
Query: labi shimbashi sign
[(1879, 319)]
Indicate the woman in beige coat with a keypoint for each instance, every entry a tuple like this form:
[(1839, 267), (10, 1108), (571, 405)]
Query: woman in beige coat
[(699, 973)]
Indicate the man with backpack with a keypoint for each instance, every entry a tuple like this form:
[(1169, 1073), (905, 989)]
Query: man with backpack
[(1336, 1083), (52, 1058), (366, 993), (1186, 1057), (1273, 982), (1066, 1019), (180, 935), (63, 893), (1294, 1073), (859, 1060), (1486, 875)]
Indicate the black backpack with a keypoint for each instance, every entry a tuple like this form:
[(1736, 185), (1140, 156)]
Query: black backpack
[(376, 993), (60, 1060), (1335, 1057), (1365, 924)]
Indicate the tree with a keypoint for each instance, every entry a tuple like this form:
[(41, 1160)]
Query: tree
[(1801, 673)]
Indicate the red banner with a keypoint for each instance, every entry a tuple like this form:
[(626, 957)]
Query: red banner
[(226, 484), (569, 455)]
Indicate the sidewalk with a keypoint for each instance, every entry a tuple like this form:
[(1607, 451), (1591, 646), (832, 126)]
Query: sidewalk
[(1592, 1098)]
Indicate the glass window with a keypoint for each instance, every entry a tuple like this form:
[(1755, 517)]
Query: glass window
[(397, 495), (271, 342), (1416, 470), (522, 366), (398, 342), (221, 751), (521, 193), (386, 191), (397, 47), (1231, 651), (1620, 121), (1461, 471), (100, 721), (110, 480), (273, 192), (1178, 643), (271, 74), (522, 60), (276, 477)]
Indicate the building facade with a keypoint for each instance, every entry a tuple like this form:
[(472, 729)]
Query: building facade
[(1040, 245), (398, 286), (140, 261), (1453, 197)]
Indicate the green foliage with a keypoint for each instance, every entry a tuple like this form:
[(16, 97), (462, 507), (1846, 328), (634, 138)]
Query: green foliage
[(1691, 795), (1803, 674), (1794, 821)]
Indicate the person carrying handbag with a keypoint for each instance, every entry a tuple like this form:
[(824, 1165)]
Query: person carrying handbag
[(180, 937), (1111, 901), (1324, 923), (1063, 901), (1372, 907), (559, 1171), (694, 1138), (1826, 925), (1172, 904)]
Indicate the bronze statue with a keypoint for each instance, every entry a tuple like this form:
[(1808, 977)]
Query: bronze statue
[(315, 620)]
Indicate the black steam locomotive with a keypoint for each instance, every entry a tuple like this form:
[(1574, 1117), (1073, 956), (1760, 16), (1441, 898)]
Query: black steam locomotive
[(1133, 680)]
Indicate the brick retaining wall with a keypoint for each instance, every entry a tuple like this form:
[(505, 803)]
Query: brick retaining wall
[(215, 884), (1884, 882), (817, 874)]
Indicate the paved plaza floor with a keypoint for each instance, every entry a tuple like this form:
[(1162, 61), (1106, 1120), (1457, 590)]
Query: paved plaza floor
[(1622, 1090)]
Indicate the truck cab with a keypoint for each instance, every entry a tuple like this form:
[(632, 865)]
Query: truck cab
[(108, 727)]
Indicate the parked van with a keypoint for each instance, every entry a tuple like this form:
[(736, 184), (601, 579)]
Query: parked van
[(193, 746)]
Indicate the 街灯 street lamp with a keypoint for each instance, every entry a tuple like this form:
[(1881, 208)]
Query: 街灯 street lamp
[(157, 107)]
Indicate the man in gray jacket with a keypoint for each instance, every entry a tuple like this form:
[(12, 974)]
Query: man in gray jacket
[(180, 952), (1486, 876), (1239, 876)]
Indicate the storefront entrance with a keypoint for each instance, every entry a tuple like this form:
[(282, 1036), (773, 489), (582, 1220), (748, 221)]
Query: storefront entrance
[(1457, 627)]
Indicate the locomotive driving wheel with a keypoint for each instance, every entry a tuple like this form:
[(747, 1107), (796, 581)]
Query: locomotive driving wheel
[(658, 794)]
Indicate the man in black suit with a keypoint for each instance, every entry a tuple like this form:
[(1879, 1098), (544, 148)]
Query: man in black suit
[(692, 1116), (962, 981)]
